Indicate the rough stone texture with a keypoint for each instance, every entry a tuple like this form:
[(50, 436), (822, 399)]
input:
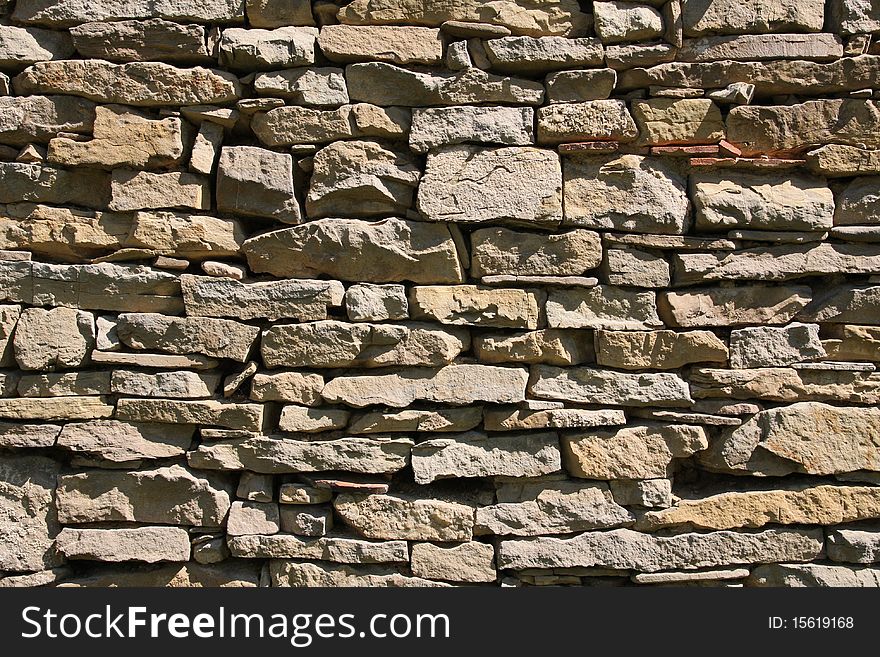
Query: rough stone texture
[(258, 49), (468, 184), (470, 305), (503, 251), (468, 562), (659, 350), (599, 120), (526, 55), (580, 86), (150, 40), (811, 575), (28, 510), (626, 21), (59, 338), (221, 338), (30, 119), (391, 44), (123, 442), (397, 518), (141, 190), (550, 346), (446, 126), (596, 386), (302, 575), (733, 306), (665, 121), (321, 87), (751, 16), (604, 306), (772, 347), (373, 303), (854, 545), (146, 544)]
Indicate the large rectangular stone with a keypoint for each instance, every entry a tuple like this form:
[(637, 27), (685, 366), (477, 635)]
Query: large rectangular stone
[(733, 306), (300, 574), (756, 47), (751, 16), (497, 251), (39, 183), (220, 338), (595, 386), (153, 39), (392, 517), (392, 44), (532, 56), (447, 126), (337, 549), (55, 408), (785, 384), (592, 120), (456, 385), (63, 13), (662, 350), (144, 544), (466, 305), (302, 300), (123, 442), (29, 119), (602, 307), (230, 415)]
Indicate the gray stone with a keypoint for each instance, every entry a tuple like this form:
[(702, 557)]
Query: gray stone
[(662, 350), (28, 119), (444, 420), (307, 520), (28, 509), (767, 346), (63, 13), (634, 268), (278, 13), (153, 39), (326, 548), (338, 344), (627, 549), (366, 302), (596, 386), (785, 384), (248, 417), (603, 307), (476, 454), (627, 192), (23, 46), (146, 84), (592, 120), (320, 87), (59, 338), (456, 385), (385, 251), (145, 544), (302, 300), (445, 126), (854, 545), (852, 304), (16, 434), (529, 56), (397, 518), (122, 442), (649, 493), (751, 16), (45, 184), (386, 84), (580, 86), (221, 338), (247, 518), (814, 575), (169, 495), (178, 385), (256, 182), (532, 509), (553, 418), (733, 306), (265, 50), (626, 21), (857, 202), (469, 184)]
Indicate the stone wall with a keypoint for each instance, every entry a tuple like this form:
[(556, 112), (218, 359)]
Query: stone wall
[(400, 292)]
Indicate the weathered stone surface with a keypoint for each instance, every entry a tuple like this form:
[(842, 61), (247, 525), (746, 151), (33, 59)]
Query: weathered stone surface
[(123, 442), (554, 418), (857, 202), (456, 385), (595, 386), (468, 184), (45, 184), (766, 346), (233, 574), (468, 562), (844, 304), (16, 434), (635, 452), (282, 455), (634, 268), (301, 419), (769, 78), (326, 548), (592, 120), (780, 263), (713, 577), (29, 119), (550, 346), (361, 178), (123, 138), (308, 575), (247, 518), (665, 121), (59, 338), (146, 84), (734, 199), (854, 545), (787, 384), (285, 126), (321, 87), (478, 455), (170, 495), (398, 518), (580, 86), (444, 420), (835, 160), (146, 544), (391, 44), (386, 84), (221, 338), (141, 190), (815, 47), (793, 128), (302, 494), (23, 46), (751, 16), (307, 520), (257, 182), (800, 505), (266, 50), (814, 575), (662, 350), (338, 344), (627, 549), (626, 21), (63, 13), (445, 126), (733, 306), (27, 507), (854, 343), (278, 13), (390, 250), (56, 408), (604, 306), (529, 56), (365, 302), (470, 305), (153, 39), (532, 509), (211, 412), (297, 387), (302, 300), (179, 385), (503, 251), (627, 192), (806, 437), (649, 493), (8, 319), (562, 17)]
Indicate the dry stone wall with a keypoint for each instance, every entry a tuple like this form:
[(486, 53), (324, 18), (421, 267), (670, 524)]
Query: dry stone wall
[(404, 293)]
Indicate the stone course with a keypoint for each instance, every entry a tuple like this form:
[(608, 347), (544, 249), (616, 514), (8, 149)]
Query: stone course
[(409, 293)]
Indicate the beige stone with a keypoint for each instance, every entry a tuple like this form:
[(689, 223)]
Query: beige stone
[(550, 346), (592, 120), (297, 387), (596, 386), (854, 343), (554, 418), (445, 126), (220, 338), (635, 268), (814, 575), (308, 575), (206, 148), (626, 21), (770, 346), (62, 13), (326, 548), (457, 385), (635, 452), (55, 408), (444, 420), (247, 518), (8, 319), (16, 434), (844, 304), (603, 307), (178, 385), (145, 544), (286, 126), (123, 442), (468, 562), (733, 306), (59, 338), (142, 190), (581, 85), (391, 44), (527, 55), (661, 350), (469, 184), (471, 305), (29, 119), (301, 419), (819, 47), (503, 251), (189, 575), (367, 302), (785, 384), (385, 251), (255, 182), (665, 121), (153, 39), (266, 50), (23, 46), (278, 13), (751, 16), (211, 412), (397, 518), (835, 160), (801, 505), (38, 183)]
